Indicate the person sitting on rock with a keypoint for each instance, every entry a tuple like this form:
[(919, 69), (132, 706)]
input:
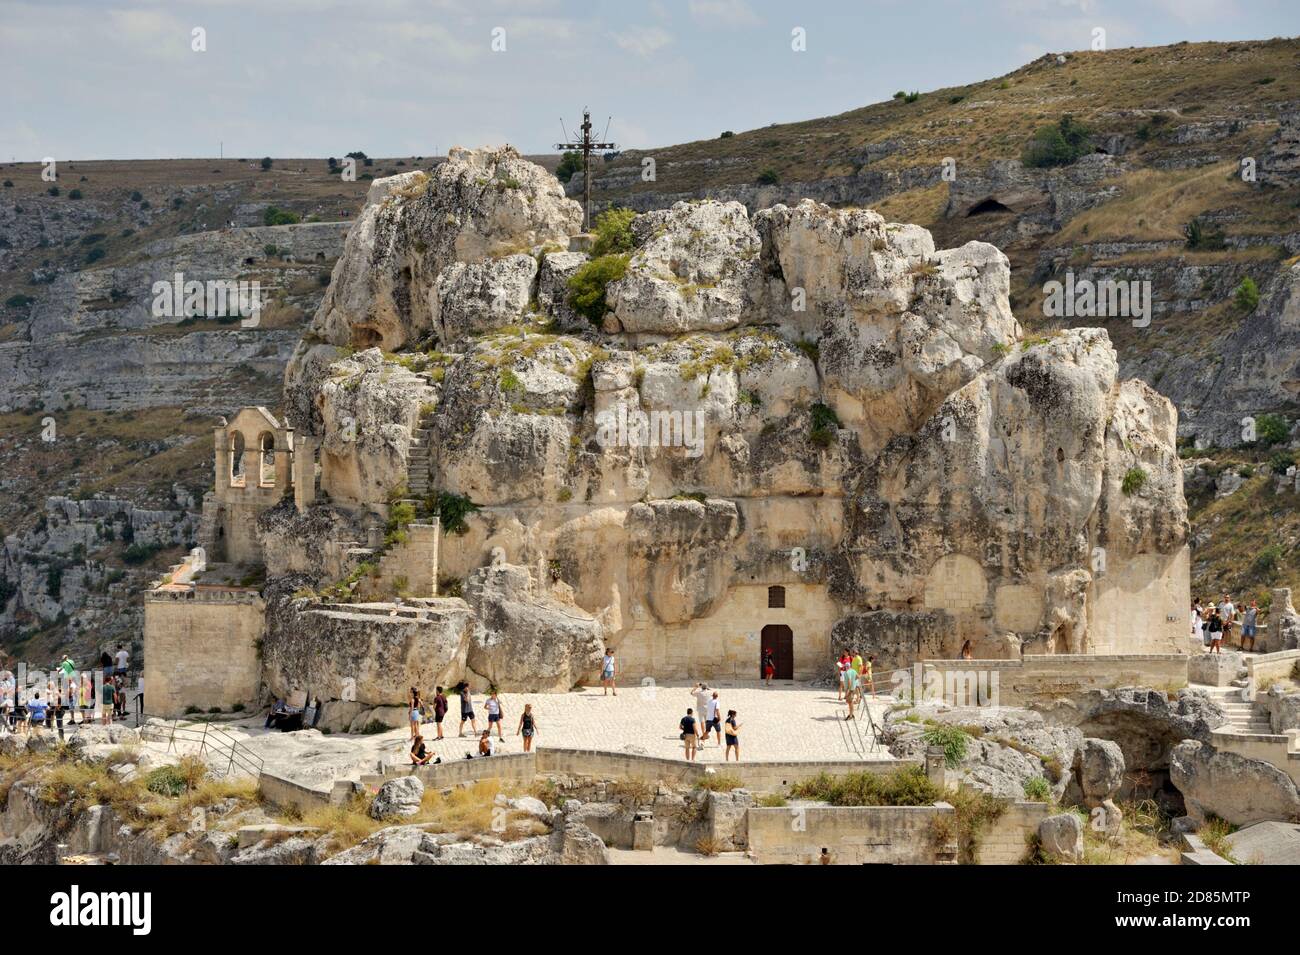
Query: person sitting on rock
[(486, 745)]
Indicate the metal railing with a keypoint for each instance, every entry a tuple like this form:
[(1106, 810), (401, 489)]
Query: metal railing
[(857, 741), (213, 742)]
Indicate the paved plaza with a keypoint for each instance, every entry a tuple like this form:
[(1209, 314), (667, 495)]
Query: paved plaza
[(786, 721)]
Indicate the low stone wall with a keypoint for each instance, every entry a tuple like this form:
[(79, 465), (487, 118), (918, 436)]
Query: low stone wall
[(854, 835), (1037, 677), (600, 764), (284, 792), (515, 768), (1281, 752), (1006, 840), (1272, 666)]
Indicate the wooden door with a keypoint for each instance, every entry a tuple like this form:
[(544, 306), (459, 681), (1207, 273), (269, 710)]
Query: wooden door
[(778, 638)]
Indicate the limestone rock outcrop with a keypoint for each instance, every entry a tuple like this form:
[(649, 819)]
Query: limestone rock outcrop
[(805, 418), (525, 640), (1232, 787), (477, 205)]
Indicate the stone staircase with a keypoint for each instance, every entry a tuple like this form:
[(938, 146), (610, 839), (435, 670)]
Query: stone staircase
[(418, 462), (1243, 718)]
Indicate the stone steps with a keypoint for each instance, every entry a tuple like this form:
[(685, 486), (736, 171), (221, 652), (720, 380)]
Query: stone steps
[(1244, 718)]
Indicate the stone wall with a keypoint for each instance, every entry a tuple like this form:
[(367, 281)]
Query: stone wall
[(1044, 677), (1272, 666), (854, 835), (201, 649), (599, 764), (727, 644), (1004, 842), (1140, 605)]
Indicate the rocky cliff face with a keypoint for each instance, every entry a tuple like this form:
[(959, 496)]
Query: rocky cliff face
[(829, 402)]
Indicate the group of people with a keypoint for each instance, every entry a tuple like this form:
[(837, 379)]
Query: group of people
[(706, 717), (68, 693), (1213, 624), (856, 675), (420, 712)]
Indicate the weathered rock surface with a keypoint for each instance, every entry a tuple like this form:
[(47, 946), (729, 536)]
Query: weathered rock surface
[(1062, 837), (398, 797), (528, 641), (1232, 787), (1101, 770)]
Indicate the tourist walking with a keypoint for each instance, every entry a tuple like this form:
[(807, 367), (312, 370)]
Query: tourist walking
[(842, 666), (701, 710), (466, 708), (769, 666), (688, 733), (1198, 624), (439, 709), (527, 727), (608, 673), (493, 707), (713, 718), (414, 711), (122, 659), (733, 736), (1248, 623), (868, 678), (850, 688)]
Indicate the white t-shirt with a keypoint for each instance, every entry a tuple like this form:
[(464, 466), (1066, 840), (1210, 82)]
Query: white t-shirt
[(123, 658), (701, 701), (712, 709)]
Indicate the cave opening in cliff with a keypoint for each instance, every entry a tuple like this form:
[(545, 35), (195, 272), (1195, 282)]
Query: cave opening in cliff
[(986, 207)]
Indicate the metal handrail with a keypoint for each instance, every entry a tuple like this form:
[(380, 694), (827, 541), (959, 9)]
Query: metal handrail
[(223, 745)]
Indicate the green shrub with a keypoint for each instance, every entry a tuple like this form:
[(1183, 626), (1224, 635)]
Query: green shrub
[(1038, 789), (139, 553), (1266, 561), (1281, 461), (769, 177), (570, 163), (266, 163), (1271, 429), (587, 285), (613, 232), (74, 194), (274, 215), (902, 787), (19, 301), (1246, 297), (726, 134), (1057, 145), (1134, 479), (451, 510), (953, 740), (1201, 237), (825, 424)]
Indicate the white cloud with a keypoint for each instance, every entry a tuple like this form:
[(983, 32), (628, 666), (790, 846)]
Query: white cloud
[(728, 13), (643, 41)]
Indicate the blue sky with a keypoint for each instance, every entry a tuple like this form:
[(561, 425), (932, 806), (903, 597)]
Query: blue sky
[(99, 79)]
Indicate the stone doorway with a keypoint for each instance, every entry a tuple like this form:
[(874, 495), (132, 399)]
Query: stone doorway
[(778, 638)]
